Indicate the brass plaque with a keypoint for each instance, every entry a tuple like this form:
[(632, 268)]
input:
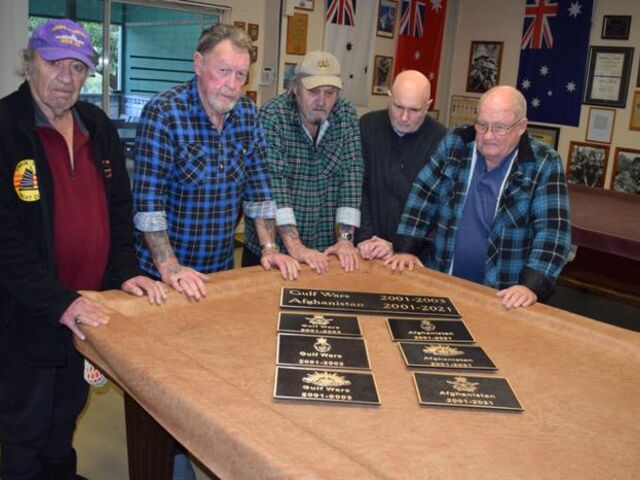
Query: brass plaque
[(366, 302), (439, 355), (427, 330), (469, 391), (322, 351), (319, 324), (325, 386)]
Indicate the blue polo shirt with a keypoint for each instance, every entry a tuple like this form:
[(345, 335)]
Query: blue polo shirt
[(478, 213)]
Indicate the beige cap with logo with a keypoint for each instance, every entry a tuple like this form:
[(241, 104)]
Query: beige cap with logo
[(318, 69)]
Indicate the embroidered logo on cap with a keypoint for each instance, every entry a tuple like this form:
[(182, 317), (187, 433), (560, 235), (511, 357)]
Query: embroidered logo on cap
[(70, 38), (323, 64), (25, 181)]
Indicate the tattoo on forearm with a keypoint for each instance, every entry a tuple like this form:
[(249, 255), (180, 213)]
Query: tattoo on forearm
[(289, 231), (269, 225), (159, 246)]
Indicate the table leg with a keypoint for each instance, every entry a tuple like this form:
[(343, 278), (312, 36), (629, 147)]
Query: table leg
[(150, 447)]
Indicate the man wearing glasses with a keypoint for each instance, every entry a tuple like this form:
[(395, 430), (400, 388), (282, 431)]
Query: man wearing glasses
[(493, 204)]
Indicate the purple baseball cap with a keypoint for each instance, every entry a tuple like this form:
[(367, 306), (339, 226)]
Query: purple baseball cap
[(60, 39)]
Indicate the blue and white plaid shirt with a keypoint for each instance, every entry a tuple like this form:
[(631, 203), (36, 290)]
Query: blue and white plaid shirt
[(190, 179), (530, 237)]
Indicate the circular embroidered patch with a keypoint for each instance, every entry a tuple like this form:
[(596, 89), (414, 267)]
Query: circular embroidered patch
[(25, 181)]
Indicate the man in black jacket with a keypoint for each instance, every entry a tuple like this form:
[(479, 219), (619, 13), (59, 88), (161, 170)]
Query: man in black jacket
[(65, 225), (396, 144)]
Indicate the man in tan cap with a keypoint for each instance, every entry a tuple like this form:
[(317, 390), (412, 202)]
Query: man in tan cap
[(315, 166)]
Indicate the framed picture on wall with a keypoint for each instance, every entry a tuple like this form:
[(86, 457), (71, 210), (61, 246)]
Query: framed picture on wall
[(463, 110), (303, 4), (382, 72), (253, 29), (616, 27), (548, 135), (289, 72), (297, 26), (253, 95), (386, 22), (587, 164), (600, 126), (626, 171), (634, 121), (608, 77), (240, 25), (485, 60)]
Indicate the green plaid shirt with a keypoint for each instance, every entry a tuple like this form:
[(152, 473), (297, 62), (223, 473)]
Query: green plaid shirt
[(314, 186)]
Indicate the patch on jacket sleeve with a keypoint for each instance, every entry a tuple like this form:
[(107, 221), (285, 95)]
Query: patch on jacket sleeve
[(25, 181)]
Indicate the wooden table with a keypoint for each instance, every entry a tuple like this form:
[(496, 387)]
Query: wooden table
[(205, 372)]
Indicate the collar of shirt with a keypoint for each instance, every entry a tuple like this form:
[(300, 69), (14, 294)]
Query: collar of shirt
[(321, 131), (41, 119)]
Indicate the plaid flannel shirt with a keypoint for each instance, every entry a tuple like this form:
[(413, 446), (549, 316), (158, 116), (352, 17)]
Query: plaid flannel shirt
[(531, 234), (190, 179), (314, 186)]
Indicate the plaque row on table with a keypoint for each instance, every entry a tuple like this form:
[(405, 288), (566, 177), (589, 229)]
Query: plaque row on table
[(323, 357)]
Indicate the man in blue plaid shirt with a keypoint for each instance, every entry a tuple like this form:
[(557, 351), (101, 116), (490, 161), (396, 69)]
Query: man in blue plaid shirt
[(496, 204), (200, 152), (315, 165)]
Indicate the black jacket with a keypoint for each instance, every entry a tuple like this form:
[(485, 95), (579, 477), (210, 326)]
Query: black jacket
[(31, 299)]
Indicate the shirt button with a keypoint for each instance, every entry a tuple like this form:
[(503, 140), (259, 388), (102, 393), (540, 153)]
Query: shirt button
[(221, 166)]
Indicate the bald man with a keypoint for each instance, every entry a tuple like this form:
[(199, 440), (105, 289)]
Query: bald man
[(396, 144), (495, 203)]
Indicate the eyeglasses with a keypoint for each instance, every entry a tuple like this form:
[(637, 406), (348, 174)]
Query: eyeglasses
[(498, 130)]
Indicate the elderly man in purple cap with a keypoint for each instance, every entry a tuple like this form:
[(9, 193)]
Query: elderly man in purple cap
[(66, 225)]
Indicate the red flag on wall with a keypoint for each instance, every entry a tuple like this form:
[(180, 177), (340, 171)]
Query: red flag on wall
[(420, 29)]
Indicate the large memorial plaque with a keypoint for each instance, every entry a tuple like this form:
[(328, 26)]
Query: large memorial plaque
[(322, 351), (325, 385), (469, 391), (425, 330), (365, 302), (319, 324), (438, 355)]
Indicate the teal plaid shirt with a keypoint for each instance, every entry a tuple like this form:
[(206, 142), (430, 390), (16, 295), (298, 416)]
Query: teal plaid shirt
[(322, 183)]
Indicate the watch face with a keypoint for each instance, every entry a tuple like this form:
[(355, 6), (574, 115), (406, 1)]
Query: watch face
[(346, 236)]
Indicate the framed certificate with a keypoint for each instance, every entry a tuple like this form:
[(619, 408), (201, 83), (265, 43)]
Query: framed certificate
[(463, 110), (608, 77), (600, 126), (297, 27)]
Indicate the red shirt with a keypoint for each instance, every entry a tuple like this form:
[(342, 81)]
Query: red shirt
[(80, 216)]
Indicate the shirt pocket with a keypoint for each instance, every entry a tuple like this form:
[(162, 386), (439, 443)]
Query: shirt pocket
[(191, 165), (237, 161)]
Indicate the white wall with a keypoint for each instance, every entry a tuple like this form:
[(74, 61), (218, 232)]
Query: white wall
[(13, 38)]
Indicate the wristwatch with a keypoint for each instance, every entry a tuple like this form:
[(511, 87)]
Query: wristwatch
[(346, 236)]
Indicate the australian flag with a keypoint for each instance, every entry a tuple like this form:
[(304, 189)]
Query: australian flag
[(411, 18), (553, 58), (341, 12)]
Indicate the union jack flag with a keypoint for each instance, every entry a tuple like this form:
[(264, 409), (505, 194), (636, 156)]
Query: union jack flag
[(538, 32), (342, 12), (412, 18)]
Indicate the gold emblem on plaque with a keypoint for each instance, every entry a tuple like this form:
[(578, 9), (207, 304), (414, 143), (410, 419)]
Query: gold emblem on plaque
[(322, 345), (461, 384), (319, 320), (442, 350), (427, 326), (326, 379)]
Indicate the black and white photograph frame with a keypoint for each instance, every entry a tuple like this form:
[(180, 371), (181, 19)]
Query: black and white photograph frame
[(485, 62), (608, 76), (616, 27), (600, 125), (382, 73), (386, 20), (587, 164), (303, 4), (625, 176), (545, 134)]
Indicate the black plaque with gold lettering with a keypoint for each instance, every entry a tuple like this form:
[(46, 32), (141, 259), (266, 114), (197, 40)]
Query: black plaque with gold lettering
[(425, 330), (439, 355), (325, 385), (319, 324), (470, 391), (365, 302), (322, 351)]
